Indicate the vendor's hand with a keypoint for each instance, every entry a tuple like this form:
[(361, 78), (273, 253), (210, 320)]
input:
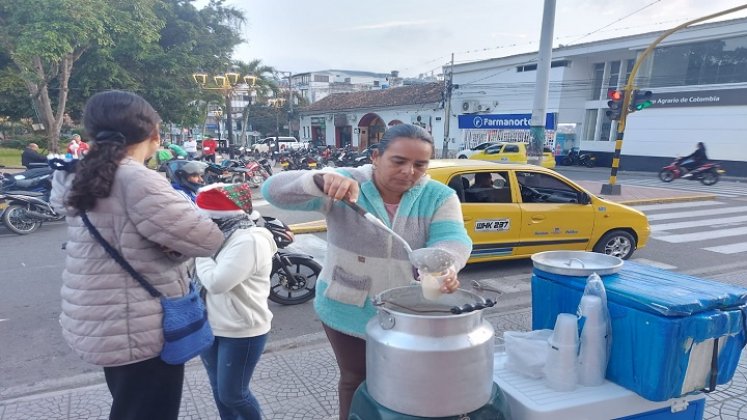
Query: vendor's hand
[(450, 282), (338, 187)]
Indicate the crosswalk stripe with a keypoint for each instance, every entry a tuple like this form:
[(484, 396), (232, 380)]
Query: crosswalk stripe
[(667, 206), (701, 236), (692, 224), (729, 249), (722, 189), (697, 213)]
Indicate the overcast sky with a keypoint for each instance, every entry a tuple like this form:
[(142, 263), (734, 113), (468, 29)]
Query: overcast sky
[(419, 36)]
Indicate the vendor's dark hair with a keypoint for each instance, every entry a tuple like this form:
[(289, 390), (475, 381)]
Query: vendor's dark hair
[(113, 120), (403, 130)]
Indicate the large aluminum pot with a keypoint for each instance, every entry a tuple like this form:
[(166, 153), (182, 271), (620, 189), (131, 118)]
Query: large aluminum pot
[(423, 360)]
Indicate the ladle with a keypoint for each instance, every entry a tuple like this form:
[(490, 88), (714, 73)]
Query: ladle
[(431, 260)]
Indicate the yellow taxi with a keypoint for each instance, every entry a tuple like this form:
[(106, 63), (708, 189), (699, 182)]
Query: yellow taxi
[(512, 153), (514, 210)]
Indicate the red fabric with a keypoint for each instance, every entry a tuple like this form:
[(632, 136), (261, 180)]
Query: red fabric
[(82, 148), (211, 145)]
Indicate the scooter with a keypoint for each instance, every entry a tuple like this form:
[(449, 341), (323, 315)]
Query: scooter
[(27, 211), (708, 173), (576, 158), (294, 275)]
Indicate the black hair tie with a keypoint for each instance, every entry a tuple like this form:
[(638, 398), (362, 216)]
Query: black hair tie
[(110, 137)]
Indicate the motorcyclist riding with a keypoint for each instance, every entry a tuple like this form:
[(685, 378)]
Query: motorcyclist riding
[(188, 178), (695, 159)]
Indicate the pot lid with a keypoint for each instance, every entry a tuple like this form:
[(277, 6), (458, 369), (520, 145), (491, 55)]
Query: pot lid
[(576, 263), (409, 300)]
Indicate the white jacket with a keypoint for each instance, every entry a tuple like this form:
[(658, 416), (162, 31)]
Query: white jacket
[(238, 284)]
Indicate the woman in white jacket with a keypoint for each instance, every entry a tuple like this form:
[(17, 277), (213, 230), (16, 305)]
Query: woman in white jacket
[(237, 281)]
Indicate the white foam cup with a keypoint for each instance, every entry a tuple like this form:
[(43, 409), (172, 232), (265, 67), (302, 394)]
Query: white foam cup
[(566, 330), (431, 283)]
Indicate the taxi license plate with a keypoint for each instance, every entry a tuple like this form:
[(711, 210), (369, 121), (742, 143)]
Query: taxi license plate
[(312, 165), (284, 164), (3, 206)]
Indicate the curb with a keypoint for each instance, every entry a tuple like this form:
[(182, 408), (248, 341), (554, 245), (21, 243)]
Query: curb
[(686, 198)]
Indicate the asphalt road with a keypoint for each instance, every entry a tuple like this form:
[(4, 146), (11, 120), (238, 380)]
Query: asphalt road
[(33, 349)]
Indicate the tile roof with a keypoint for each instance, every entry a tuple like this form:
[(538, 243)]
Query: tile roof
[(386, 98)]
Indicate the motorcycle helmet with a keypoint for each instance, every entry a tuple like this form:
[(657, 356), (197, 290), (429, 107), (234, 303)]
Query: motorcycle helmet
[(187, 169), (281, 233)]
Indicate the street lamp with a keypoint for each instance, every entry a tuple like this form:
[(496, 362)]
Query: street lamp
[(218, 114), (226, 83)]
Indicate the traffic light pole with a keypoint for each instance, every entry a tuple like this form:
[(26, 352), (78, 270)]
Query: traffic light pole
[(612, 188)]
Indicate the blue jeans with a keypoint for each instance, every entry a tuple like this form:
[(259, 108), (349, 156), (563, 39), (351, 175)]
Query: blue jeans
[(230, 364)]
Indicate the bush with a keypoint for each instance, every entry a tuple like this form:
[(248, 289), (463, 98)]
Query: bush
[(20, 142)]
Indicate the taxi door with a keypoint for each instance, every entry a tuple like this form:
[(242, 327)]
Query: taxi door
[(494, 227), (553, 219)]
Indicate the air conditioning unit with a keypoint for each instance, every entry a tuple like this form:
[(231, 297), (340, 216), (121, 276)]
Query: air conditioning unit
[(470, 106), (483, 107)]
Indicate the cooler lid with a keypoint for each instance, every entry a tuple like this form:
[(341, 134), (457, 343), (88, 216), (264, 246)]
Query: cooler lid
[(661, 291)]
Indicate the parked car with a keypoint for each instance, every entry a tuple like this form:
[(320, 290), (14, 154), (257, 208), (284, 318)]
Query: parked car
[(464, 154), (512, 153), (268, 144), (513, 211)]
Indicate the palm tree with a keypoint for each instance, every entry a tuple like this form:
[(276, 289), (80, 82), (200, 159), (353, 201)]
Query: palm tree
[(264, 85)]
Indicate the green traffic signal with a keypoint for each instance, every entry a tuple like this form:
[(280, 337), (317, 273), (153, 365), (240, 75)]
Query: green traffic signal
[(641, 100)]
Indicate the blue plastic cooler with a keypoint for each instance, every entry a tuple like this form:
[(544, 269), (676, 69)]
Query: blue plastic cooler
[(664, 326)]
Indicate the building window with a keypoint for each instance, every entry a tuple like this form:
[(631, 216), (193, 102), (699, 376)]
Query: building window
[(702, 63), (321, 78), (590, 124), (596, 84), (605, 129), (533, 67), (614, 78)]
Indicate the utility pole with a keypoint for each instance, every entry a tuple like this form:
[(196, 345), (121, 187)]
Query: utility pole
[(541, 86), (612, 188), (229, 121), (290, 104), (447, 109)]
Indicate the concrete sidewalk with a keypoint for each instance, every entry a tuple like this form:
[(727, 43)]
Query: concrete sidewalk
[(295, 381), (630, 195)]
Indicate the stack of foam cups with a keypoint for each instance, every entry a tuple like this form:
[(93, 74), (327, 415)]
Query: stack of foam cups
[(592, 358), (561, 367)]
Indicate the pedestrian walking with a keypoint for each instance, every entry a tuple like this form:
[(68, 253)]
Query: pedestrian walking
[(107, 318), (190, 146), (237, 281), (396, 189)]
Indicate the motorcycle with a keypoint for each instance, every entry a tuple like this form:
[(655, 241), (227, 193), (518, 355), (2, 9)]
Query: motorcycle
[(708, 173), (576, 158), (27, 211), (294, 275), (257, 172)]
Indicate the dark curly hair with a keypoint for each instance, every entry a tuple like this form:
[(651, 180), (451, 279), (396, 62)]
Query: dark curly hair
[(114, 120)]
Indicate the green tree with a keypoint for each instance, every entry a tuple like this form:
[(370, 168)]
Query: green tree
[(45, 39), (264, 87)]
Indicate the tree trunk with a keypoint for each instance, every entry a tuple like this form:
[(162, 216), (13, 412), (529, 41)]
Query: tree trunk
[(39, 92)]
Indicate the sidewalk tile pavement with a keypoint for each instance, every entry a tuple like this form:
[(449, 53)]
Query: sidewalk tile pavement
[(299, 384)]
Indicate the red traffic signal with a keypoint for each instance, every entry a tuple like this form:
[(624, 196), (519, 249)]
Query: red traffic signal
[(615, 103), (615, 95)]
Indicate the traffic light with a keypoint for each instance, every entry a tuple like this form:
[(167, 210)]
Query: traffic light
[(615, 103), (640, 100)]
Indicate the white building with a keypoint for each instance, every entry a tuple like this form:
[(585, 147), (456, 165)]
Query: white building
[(360, 118), (314, 86), (698, 77)]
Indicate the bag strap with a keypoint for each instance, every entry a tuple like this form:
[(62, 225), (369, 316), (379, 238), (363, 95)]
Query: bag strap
[(118, 257)]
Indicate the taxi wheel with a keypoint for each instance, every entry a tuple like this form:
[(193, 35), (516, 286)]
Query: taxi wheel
[(617, 243)]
